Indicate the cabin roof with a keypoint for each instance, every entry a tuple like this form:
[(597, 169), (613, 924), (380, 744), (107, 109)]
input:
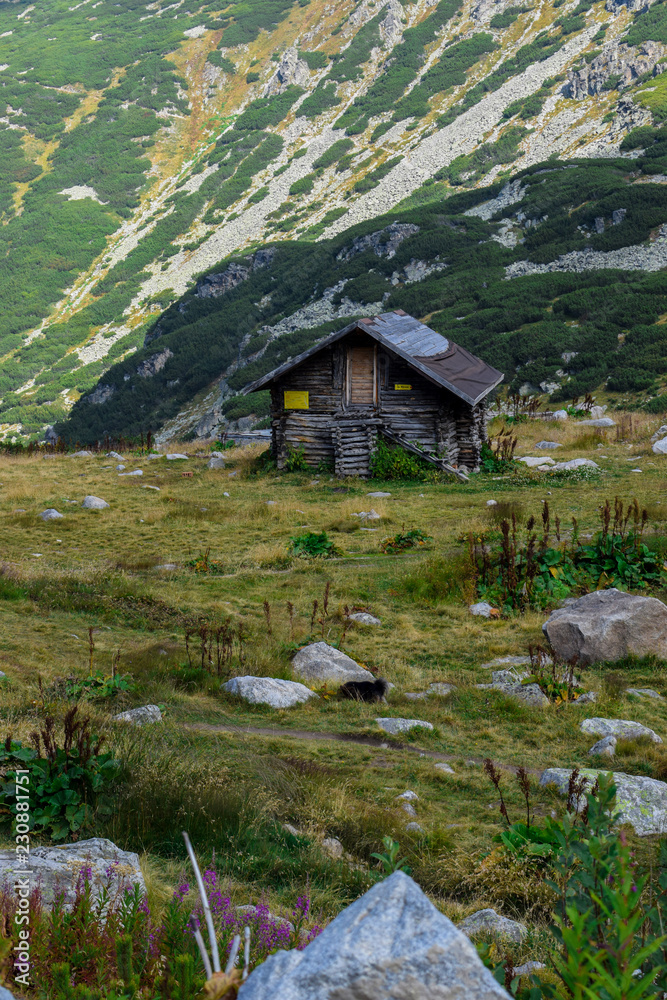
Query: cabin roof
[(437, 358)]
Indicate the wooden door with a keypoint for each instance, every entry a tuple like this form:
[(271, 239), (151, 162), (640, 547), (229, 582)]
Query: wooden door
[(361, 376)]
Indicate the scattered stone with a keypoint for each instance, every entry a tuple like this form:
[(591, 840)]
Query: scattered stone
[(548, 445), (166, 566), (445, 767), (397, 726), (137, 472), (215, 463), (269, 691), (114, 454), (660, 447), (559, 415), (288, 828), (57, 868), (508, 676), (50, 514), (408, 808), (660, 431), (491, 503), (416, 695), (271, 503), (149, 487), (3, 675), (530, 694), (320, 663), (364, 618), (174, 456), (528, 967), (587, 698), (489, 922), (94, 503), (640, 801), (620, 728), (81, 454), (409, 796), (532, 462), (440, 689), (575, 463), (140, 716), (643, 692), (378, 495), (599, 422), (120, 468), (392, 942), (332, 847), (604, 748), (410, 828), (483, 610), (608, 625), (368, 515)]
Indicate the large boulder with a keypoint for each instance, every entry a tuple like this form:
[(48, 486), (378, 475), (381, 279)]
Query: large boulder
[(320, 663), (391, 944), (640, 801), (94, 503), (268, 691), (140, 716), (622, 729), (608, 625), (58, 868)]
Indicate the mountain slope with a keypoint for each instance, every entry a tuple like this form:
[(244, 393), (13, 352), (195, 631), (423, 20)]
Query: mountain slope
[(146, 142)]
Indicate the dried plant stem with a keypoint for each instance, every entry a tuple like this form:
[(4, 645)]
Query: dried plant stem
[(207, 909)]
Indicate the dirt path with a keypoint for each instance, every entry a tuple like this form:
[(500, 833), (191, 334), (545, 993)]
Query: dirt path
[(377, 742)]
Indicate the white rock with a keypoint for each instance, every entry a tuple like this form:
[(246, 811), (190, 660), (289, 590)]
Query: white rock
[(622, 729), (491, 923), (94, 503), (604, 748), (587, 698), (549, 445), (532, 462), (659, 433), (408, 808), (174, 456), (215, 463), (57, 867), (81, 454), (409, 796), (269, 691), (575, 463), (149, 487), (445, 767), (363, 618), (392, 942), (599, 422), (640, 801), (660, 447), (378, 495), (114, 454), (320, 663), (332, 847), (481, 610), (410, 828), (50, 514), (643, 692), (491, 503), (120, 468), (559, 415), (140, 716), (396, 726), (136, 472), (528, 967), (440, 689)]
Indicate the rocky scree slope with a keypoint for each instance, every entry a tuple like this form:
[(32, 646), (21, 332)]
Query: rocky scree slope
[(146, 142), (554, 277)]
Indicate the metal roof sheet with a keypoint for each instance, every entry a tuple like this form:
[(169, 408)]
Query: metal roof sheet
[(408, 334)]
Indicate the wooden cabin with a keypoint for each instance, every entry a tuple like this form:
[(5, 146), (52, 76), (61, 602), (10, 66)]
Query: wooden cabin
[(387, 375)]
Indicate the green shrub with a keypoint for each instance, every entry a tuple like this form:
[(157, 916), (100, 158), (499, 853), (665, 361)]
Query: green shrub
[(304, 185), (312, 545), (315, 60), (252, 77), (391, 462), (415, 538)]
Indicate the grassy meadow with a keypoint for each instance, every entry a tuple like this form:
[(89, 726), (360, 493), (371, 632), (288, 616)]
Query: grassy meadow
[(233, 774)]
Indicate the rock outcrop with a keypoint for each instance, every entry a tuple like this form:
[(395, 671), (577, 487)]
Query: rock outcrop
[(640, 801), (390, 943), (151, 366), (215, 285), (292, 71), (383, 243), (621, 63)]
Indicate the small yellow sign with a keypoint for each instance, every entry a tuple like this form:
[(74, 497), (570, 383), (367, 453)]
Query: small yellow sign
[(296, 401), (399, 386)]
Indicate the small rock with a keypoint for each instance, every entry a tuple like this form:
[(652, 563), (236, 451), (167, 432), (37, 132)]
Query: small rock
[(231, 475), (137, 472), (81, 454), (333, 848), (114, 454), (622, 729), (217, 454), (269, 691), (604, 748), (320, 663), (575, 463), (444, 767), (288, 828), (3, 675), (94, 503), (50, 514), (599, 422), (175, 456), (532, 462), (508, 676), (167, 566), (482, 610), (489, 922), (225, 494), (410, 828), (149, 487), (140, 716), (548, 445), (643, 692), (408, 808), (587, 698), (415, 695), (215, 463), (379, 495), (528, 967), (120, 468), (559, 415), (491, 503), (396, 726), (409, 796), (440, 689), (660, 431), (364, 618)]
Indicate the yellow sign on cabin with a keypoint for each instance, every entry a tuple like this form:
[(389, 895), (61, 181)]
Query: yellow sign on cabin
[(399, 386), (296, 401)]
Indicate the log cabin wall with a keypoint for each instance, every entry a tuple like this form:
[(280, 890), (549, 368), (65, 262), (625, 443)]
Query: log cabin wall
[(321, 377)]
